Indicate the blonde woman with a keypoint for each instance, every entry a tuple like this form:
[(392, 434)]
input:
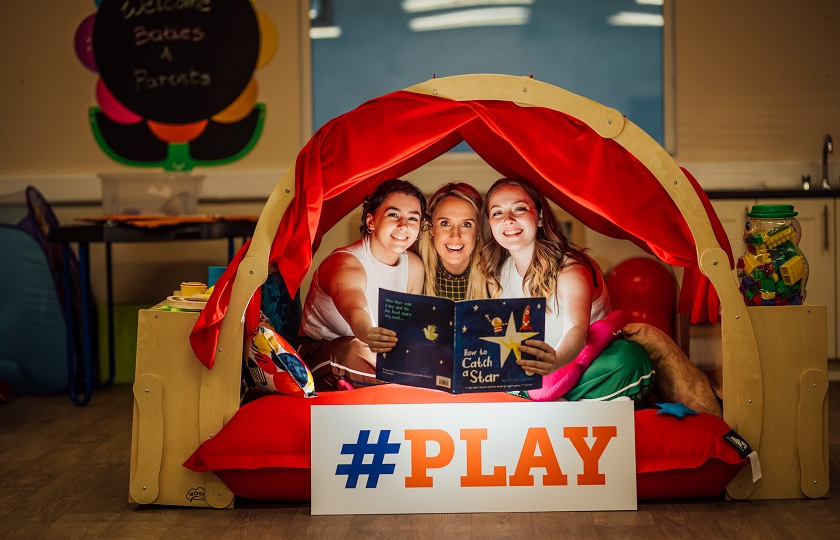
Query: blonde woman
[(450, 246), (526, 255)]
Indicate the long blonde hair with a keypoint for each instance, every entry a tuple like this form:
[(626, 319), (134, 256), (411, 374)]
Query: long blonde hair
[(552, 250), (476, 282)]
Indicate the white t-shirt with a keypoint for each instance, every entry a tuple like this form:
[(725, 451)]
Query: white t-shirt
[(321, 319), (555, 325)]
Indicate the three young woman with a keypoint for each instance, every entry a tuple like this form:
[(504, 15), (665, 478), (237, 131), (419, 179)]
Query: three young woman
[(509, 245)]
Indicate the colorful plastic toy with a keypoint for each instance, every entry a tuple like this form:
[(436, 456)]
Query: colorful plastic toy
[(773, 270)]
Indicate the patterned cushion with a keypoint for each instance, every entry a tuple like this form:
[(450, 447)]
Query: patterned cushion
[(272, 366)]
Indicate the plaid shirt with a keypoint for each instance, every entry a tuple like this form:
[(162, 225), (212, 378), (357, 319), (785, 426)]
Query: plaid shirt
[(450, 286)]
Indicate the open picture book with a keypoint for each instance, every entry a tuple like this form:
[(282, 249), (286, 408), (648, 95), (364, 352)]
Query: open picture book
[(459, 347)]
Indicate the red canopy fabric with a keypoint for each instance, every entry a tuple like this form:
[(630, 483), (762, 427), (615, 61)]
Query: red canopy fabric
[(593, 178)]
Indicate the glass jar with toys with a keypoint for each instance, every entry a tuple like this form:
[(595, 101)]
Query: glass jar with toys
[(773, 271)]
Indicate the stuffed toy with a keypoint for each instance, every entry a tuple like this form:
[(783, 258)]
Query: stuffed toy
[(678, 380)]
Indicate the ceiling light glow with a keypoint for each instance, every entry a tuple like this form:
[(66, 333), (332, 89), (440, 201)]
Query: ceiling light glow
[(507, 16), (414, 6), (629, 18), (324, 32)]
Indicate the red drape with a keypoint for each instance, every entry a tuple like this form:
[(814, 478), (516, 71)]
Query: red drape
[(593, 178)]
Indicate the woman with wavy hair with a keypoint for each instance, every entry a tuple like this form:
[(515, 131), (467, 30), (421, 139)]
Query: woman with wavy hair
[(526, 254), (450, 246)]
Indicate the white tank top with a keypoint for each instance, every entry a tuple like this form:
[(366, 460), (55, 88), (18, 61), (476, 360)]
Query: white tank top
[(321, 319), (555, 327)]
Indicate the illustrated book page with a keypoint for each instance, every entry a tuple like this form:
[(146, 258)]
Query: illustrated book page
[(466, 346)]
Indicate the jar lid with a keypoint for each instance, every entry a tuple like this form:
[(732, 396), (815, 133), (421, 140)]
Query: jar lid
[(770, 211)]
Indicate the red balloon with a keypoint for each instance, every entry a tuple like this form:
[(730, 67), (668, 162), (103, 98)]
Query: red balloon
[(647, 289)]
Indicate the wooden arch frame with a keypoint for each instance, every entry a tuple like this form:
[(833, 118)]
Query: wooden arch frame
[(742, 368)]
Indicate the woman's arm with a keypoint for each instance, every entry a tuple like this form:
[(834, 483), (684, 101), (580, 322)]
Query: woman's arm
[(574, 289), (343, 278), (416, 274)]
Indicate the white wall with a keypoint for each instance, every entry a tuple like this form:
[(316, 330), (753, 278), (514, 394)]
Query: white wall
[(46, 92), (756, 86)]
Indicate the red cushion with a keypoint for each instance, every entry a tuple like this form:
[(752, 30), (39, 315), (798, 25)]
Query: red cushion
[(679, 458), (263, 452)]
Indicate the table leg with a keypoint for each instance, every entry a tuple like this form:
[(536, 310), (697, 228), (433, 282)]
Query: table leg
[(109, 284), (70, 322), (87, 354)]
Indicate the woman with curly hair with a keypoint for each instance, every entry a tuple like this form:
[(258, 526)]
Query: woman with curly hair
[(526, 254)]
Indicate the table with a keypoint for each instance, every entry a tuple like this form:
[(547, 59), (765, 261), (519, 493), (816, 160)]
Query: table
[(119, 231)]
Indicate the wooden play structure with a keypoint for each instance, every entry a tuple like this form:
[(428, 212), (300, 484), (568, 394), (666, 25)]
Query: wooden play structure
[(774, 363)]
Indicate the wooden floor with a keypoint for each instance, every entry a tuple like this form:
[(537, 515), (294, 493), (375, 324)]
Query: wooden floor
[(64, 474)]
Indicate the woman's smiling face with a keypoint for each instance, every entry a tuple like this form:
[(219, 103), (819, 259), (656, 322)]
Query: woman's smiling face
[(394, 226), (454, 230), (513, 218)]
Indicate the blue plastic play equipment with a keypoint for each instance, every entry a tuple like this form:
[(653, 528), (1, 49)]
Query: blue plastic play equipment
[(35, 338)]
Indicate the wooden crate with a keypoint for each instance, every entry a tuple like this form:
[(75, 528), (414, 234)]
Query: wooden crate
[(792, 409), (178, 403)]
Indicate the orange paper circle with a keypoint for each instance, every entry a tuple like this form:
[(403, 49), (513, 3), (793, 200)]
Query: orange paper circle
[(268, 39), (241, 106), (177, 133)]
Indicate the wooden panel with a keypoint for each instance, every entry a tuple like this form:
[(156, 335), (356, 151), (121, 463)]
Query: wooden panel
[(816, 217), (168, 428), (144, 486), (811, 430), (791, 341)]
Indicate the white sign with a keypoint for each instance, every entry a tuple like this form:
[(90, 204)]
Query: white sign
[(473, 457)]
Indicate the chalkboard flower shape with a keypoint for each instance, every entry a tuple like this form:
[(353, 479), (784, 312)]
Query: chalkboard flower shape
[(177, 86)]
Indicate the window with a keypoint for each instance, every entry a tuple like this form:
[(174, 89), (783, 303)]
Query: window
[(610, 51)]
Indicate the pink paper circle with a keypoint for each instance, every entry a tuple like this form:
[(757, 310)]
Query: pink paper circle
[(112, 108), (84, 42)]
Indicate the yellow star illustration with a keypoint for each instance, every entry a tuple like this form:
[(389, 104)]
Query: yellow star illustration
[(510, 341)]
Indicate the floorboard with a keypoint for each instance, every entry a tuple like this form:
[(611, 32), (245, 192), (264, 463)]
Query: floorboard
[(64, 474)]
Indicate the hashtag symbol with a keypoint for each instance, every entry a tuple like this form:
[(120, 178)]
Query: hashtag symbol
[(362, 448)]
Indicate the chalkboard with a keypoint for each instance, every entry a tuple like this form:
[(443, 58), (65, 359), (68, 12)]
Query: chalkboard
[(176, 61)]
